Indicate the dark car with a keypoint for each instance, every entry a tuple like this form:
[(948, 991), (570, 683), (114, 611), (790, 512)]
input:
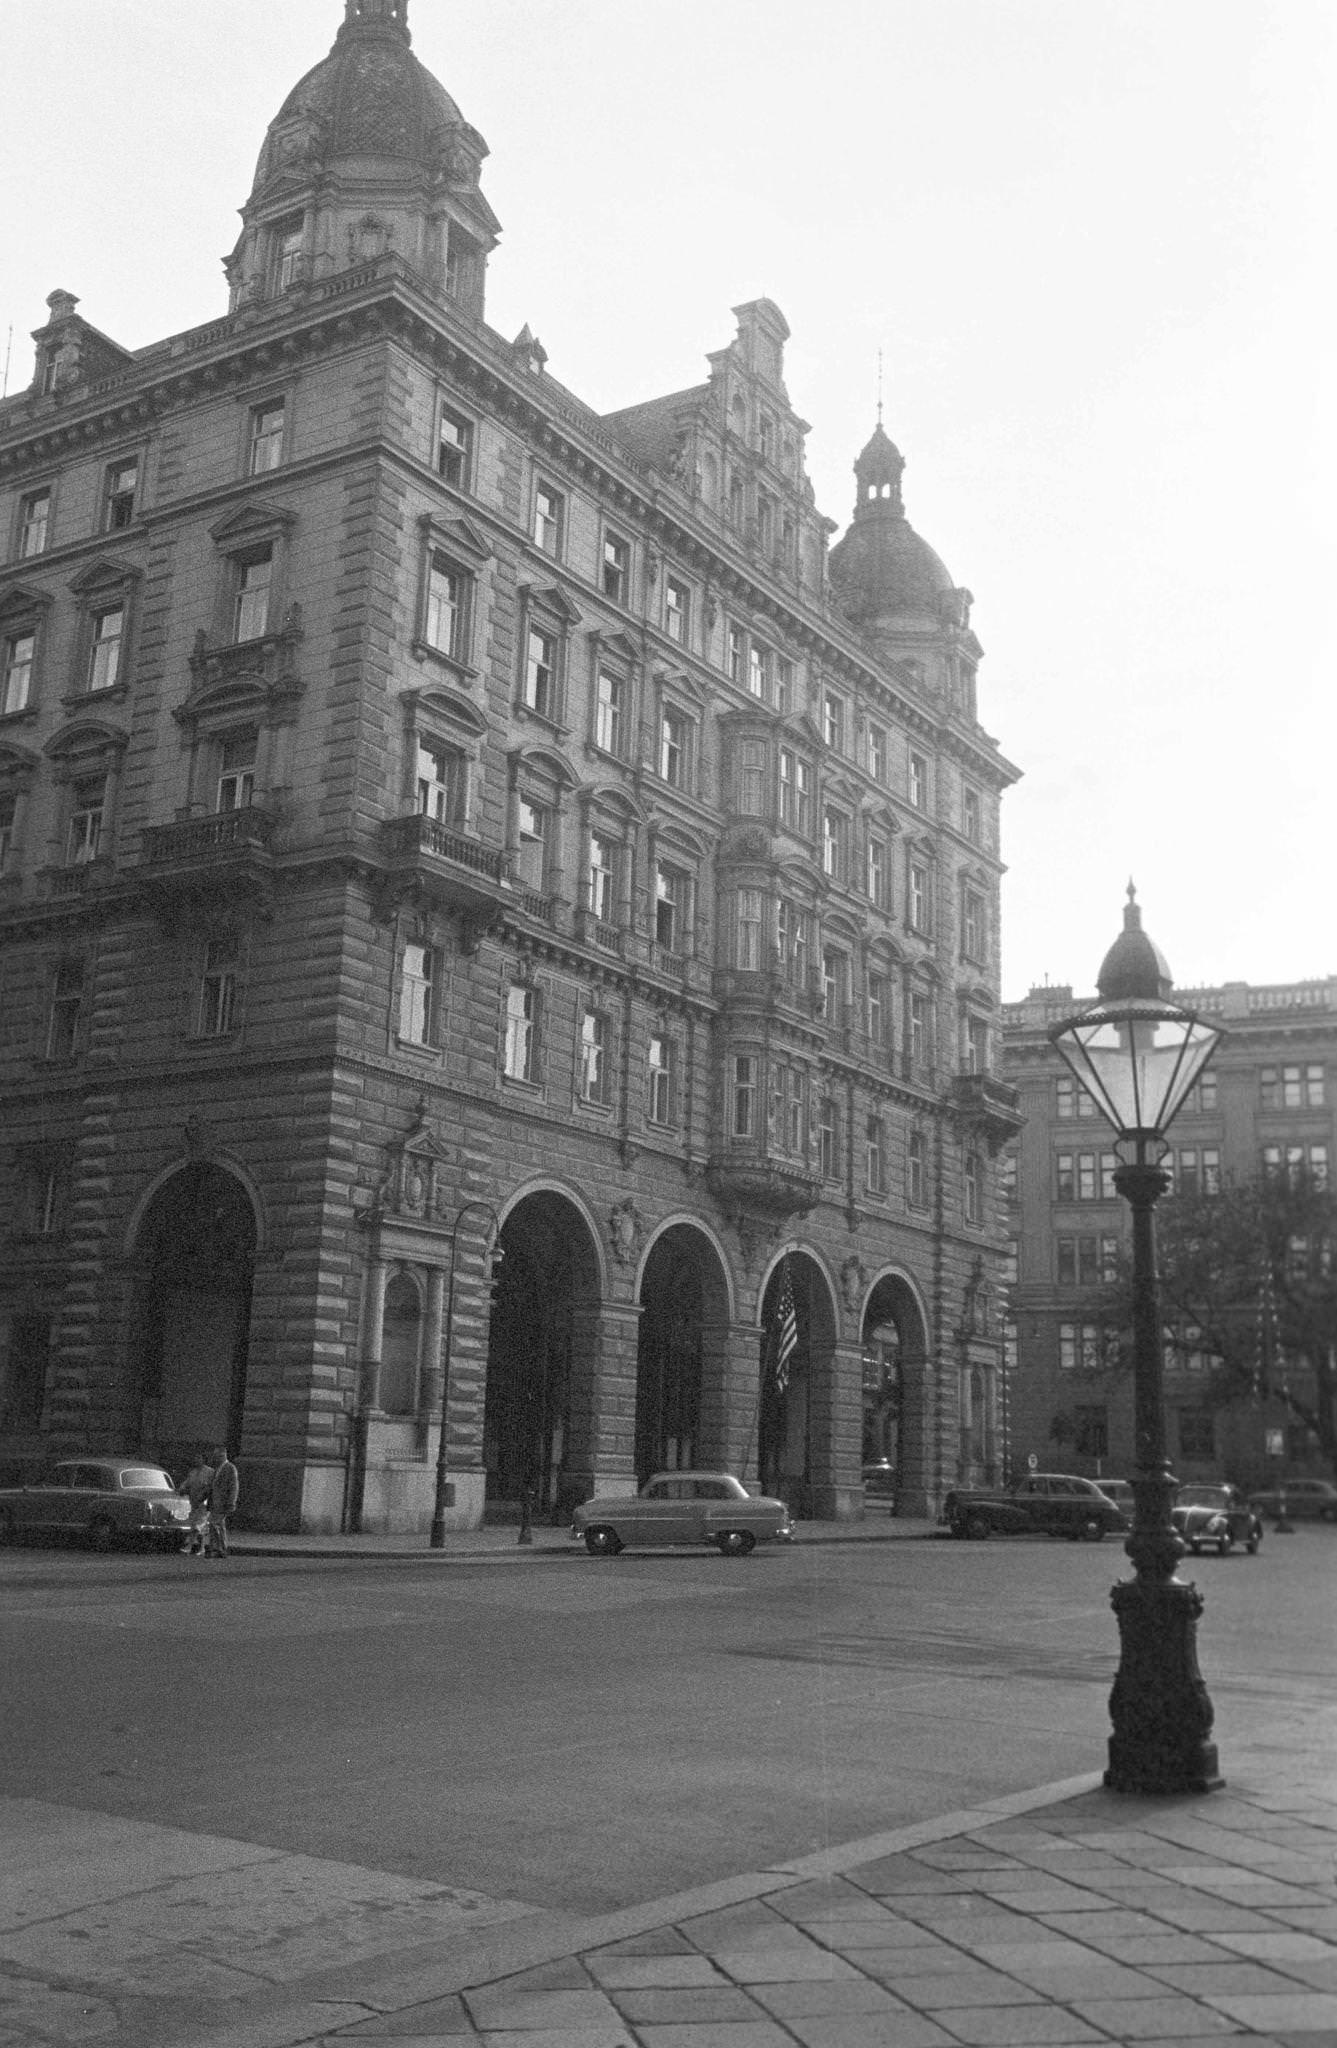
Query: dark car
[(879, 1479), (1214, 1516), (1046, 1503), (1306, 1500), (101, 1501)]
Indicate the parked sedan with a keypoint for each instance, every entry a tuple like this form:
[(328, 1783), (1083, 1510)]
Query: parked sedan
[(1306, 1500), (683, 1507), (1216, 1517), (101, 1500), (1047, 1503)]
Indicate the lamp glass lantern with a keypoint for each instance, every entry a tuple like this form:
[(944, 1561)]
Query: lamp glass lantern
[(1137, 1058)]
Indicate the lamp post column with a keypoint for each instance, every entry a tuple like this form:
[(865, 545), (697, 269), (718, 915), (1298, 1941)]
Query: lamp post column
[(1159, 1705)]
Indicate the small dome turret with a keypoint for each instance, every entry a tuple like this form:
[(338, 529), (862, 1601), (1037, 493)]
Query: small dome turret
[(1134, 968), (368, 156), (882, 571)]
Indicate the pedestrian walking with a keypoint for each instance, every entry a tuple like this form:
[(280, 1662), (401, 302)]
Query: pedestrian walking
[(223, 1491), (197, 1486)]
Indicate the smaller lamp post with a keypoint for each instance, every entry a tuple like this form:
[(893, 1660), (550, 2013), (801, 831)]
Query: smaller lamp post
[(1137, 1054), (437, 1539)]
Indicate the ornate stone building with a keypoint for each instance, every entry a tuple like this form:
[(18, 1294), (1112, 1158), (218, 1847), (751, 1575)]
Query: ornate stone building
[(436, 817)]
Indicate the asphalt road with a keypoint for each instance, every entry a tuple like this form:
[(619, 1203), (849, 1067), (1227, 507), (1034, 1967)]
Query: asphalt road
[(584, 1733)]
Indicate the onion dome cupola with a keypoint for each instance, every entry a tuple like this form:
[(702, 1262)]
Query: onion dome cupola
[(1134, 969), (882, 574), (368, 156)]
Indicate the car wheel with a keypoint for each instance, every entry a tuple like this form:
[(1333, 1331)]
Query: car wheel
[(736, 1542), (1092, 1531), (978, 1528), (6, 1526), (602, 1541), (1195, 1550), (101, 1533), (1225, 1544)]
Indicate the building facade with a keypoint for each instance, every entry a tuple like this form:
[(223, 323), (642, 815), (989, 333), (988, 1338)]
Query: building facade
[(1266, 1103), (487, 892)]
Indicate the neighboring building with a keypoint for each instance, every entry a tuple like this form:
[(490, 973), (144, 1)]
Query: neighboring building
[(1267, 1102), (429, 808)]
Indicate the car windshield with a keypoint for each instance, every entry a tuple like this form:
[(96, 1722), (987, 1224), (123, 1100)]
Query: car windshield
[(145, 1479), (1202, 1497)]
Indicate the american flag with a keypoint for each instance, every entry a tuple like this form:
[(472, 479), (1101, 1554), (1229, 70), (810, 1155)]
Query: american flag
[(785, 1330)]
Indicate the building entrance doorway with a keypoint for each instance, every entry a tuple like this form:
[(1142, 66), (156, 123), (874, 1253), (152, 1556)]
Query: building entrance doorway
[(895, 1349), (196, 1259), (790, 1385), (547, 1276)]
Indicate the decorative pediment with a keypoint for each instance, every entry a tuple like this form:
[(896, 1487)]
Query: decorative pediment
[(17, 764), (918, 844), (546, 761), (84, 736), (611, 800), (21, 600), (451, 706), (680, 684), (617, 645), (669, 832), (107, 574), (257, 520), (421, 1178), (456, 535), (550, 597)]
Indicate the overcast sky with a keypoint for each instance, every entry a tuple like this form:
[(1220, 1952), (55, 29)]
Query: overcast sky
[(1093, 239)]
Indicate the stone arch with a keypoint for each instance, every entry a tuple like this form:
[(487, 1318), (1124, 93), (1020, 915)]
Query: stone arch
[(193, 1253), (402, 1317), (681, 1353), (796, 1396), (895, 1341), (545, 1305)]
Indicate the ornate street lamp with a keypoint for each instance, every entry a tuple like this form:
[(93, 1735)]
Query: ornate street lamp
[(1138, 1054), (437, 1538)]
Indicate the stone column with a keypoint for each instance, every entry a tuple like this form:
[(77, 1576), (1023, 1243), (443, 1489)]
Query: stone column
[(730, 1387), (601, 1433), (430, 1385), (835, 1437)]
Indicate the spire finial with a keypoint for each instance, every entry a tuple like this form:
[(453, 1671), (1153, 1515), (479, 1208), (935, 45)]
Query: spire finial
[(879, 387), (381, 13)]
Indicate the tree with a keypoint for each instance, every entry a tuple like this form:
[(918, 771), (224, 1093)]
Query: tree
[(1249, 1276)]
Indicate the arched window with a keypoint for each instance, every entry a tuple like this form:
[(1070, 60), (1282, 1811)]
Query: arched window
[(401, 1345)]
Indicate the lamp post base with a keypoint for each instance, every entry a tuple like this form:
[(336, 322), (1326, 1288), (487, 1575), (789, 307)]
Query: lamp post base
[(1159, 1704)]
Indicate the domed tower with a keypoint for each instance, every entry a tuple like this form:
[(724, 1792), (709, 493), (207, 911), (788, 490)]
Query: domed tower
[(890, 582), (368, 156)]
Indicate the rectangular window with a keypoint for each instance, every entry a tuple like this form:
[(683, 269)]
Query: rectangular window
[(876, 1157), (750, 778), (531, 857), (104, 665), (1081, 1347), (974, 926), (747, 931), (828, 1138), (34, 523), (549, 510), (919, 781), (796, 1112), (674, 747), (84, 835), (973, 1187), (541, 672), (877, 872), (250, 617), (119, 492), (918, 886), (677, 609), (735, 653), (920, 1049), (672, 886), (236, 772), (1314, 1093), (802, 798), (1318, 1165), (266, 438), (67, 1002), (1108, 1164), (792, 936), (442, 781), (287, 254), (1202, 1095), (595, 1058), (218, 989), (9, 805), (788, 766), (976, 1047), (616, 568), (878, 1009), (744, 1095), (610, 712), (453, 438), (835, 834), (662, 1106), (1091, 1431), (1073, 1101), (915, 1170), (877, 753), (16, 684), (835, 986), (1065, 1177), (1197, 1433), (784, 684), (603, 878), (970, 814), (1086, 1176), (522, 1033), (444, 624), (758, 670), (833, 723)]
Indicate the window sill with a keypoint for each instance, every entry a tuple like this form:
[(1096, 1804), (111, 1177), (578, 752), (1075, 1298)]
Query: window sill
[(417, 1046), (219, 1038), (78, 700), (546, 719), (24, 715), (424, 651)]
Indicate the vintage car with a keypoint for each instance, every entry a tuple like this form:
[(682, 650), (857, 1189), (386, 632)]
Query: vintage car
[(1306, 1500), (1120, 1491), (879, 1479), (1046, 1503), (101, 1501), (1214, 1516), (683, 1507)]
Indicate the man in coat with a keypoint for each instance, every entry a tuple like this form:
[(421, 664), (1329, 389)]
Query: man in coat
[(222, 1500)]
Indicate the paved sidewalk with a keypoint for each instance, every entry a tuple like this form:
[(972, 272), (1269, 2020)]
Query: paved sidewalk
[(499, 1540), (1052, 1918)]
